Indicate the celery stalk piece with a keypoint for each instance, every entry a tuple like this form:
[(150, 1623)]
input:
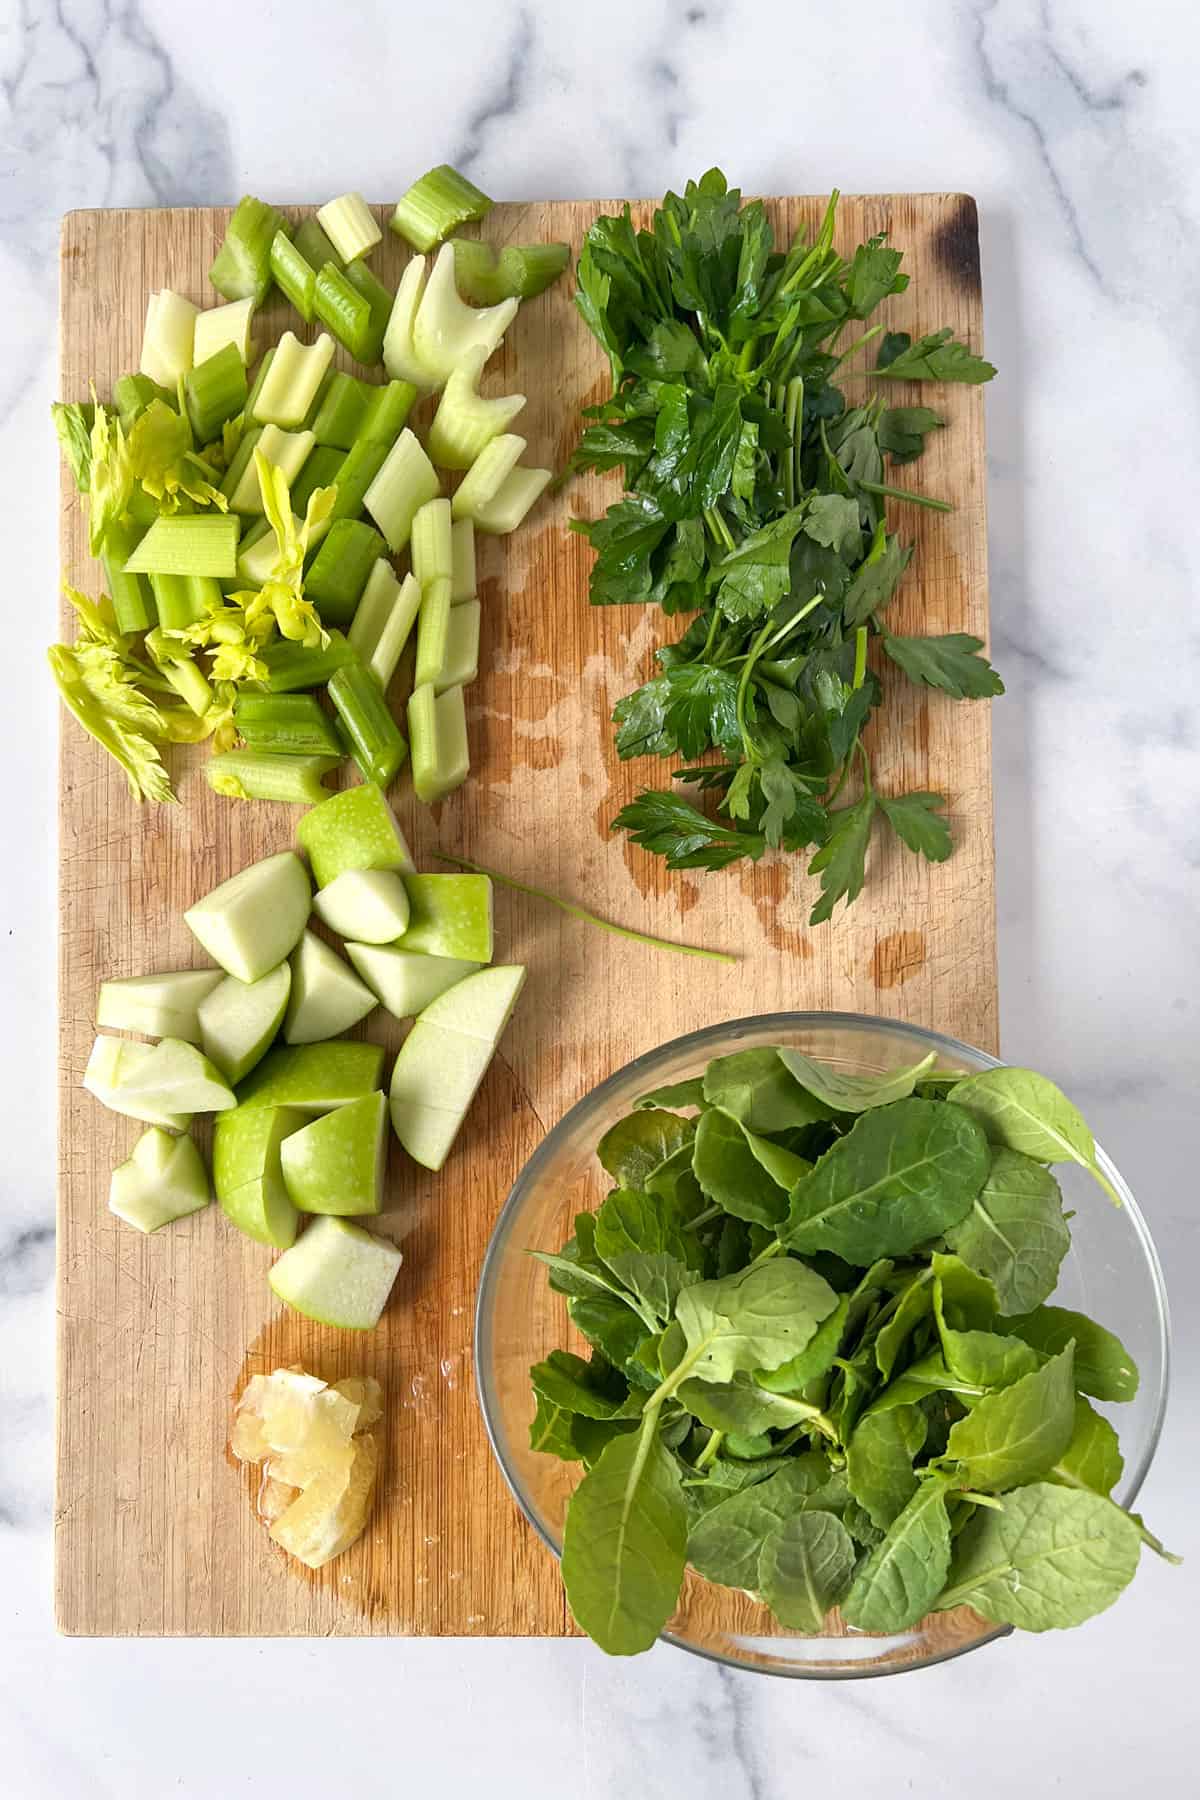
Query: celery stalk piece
[(241, 269), (433, 630), (375, 739), (487, 475), (295, 276), (406, 480), (133, 604), (374, 605), (517, 493), (313, 245), (287, 450), (168, 338), (258, 557), (286, 725), (217, 326), (215, 390), (340, 415), (263, 775), (460, 664), (435, 204), (347, 313), (399, 356), (132, 394), (355, 473), (350, 226), (462, 573), (338, 573), (320, 470), (379, 299), (517, 273), (174, 661), (388, 407), (466, 423), (431, 545), (260, 375), (446, 329), (437, 725), (183, 544), (389, 610), (174, 602), (142, 509), (243, 459), (291, 667), (290, 387)]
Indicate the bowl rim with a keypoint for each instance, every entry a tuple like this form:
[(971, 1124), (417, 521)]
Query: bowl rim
[(795, 1021)]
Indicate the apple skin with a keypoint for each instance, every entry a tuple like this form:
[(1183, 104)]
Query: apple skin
[(355, 829), (163, 1180), (335, 1164), (444, 1058), (247, 1174), (313, 1077), (406, 981), (252, 922), (450, 915), (326, 998), (337, 1274), (240, 1019)]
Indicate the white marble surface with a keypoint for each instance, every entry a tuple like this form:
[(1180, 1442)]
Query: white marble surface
[(1075, 124)]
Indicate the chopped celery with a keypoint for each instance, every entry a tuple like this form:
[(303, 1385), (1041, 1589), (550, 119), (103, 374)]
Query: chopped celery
[(487, 474), (132, 394), (460, 663), (241, 269), (356, 472), (374, 737), (133, 605), (290, 387), (175, 602), (431, 547), (339, 305), (511, 501), (465, 423), (340, 415), (215, 390), (259, 775), (175, 664), (200, 544), (387, 412), (313, 244), (168, 338), (404, 482), (379, 299), (205, 591), (258, 555), (399, 356), (241, 461), (433, 630), (518, 272), (339, 571), (433, 206), (287, 450), (286, 725), (142, 509), (386, 615), (217, 326), (291, 667), (374, 606), (350, 226), (462, 573), (260, 375), (320, 470), (446, 328), (294, 274), (437, 724)]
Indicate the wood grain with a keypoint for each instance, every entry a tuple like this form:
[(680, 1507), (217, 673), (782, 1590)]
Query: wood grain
[(155, 1531)]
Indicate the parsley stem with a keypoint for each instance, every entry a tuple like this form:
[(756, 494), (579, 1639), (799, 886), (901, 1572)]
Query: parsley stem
[(709, 1452), (861, 344), (589, 918), (719, 529), (895, 493), (860, 656)]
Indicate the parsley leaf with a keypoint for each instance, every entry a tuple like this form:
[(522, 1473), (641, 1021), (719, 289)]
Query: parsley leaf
[(936, 357), (917, 821), (842, 860), (686, 837), (952, 663), (903, 430)]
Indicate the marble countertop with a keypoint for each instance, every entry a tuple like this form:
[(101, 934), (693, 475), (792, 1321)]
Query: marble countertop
[(1076, 128)]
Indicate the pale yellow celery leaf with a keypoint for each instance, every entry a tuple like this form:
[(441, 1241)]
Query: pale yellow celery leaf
[(162, 458), (110, 484), (114, 715)]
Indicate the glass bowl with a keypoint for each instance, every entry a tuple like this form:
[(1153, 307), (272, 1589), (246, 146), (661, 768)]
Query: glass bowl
[(1112, 1272)]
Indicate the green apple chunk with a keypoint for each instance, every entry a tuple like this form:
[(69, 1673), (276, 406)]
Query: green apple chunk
[(247, 1174), (336, 1163), (114, 1059), (252, 922), (239, 1019), (355, 829), (178, 1077), (369, 905), (451, 915), (157, 1005), (338, 1274), (405, 980), (444, 1058), (164, 1179), (327, 997), (313, 1077)]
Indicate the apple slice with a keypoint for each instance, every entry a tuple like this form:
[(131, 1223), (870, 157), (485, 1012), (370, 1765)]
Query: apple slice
[(164, 1179), (444, 1058), (451, 915), (239, 1019), (157, 1005), (355, 829), (327, 997), (336, 1164), (313, 1077), (113, 1059), (338, 1274), (178, 1077), (247, 1175), (369, 905), (253, 921), (406, 980)]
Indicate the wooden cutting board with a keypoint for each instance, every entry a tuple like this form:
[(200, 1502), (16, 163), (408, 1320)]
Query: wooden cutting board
[(155, 1531)]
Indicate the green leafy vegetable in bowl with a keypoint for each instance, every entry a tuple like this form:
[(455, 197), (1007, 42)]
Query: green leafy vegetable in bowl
[(823, 1364)]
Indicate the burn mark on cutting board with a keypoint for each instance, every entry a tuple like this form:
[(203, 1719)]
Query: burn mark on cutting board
[(897, 958), (956, 245)]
